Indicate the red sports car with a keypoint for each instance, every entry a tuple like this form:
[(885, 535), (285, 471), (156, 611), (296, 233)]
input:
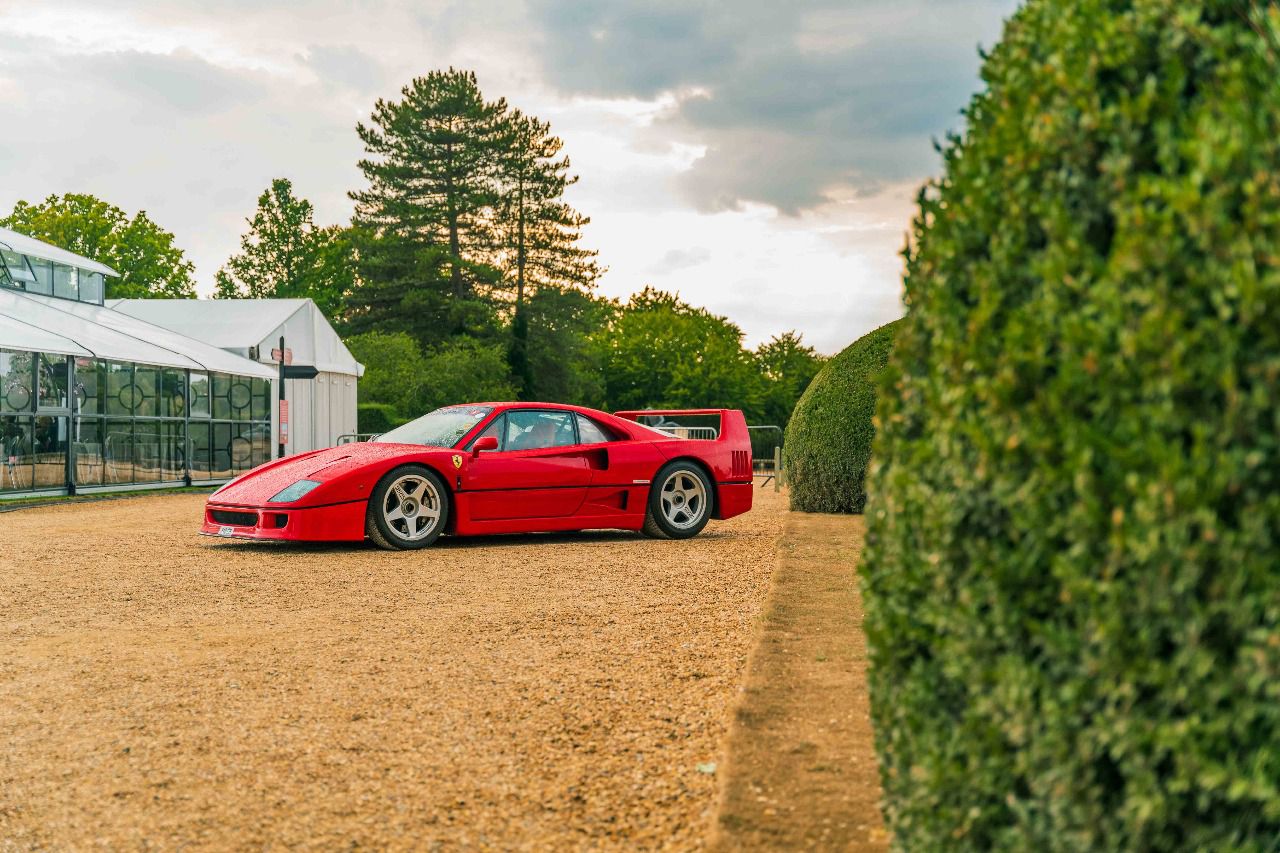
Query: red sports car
[(497, 468)]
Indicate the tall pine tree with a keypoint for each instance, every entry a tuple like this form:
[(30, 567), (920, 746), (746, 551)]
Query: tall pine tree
[(539, 232), (432, 162)]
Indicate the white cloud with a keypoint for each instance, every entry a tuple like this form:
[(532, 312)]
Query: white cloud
[(690, 124)]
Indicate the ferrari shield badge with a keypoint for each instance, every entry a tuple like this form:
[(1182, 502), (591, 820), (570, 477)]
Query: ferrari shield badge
[(457, 461)]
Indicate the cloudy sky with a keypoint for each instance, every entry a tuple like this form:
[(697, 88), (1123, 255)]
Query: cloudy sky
[(758, 157)]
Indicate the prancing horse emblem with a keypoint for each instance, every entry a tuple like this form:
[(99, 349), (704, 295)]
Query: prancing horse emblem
[(457, 461)]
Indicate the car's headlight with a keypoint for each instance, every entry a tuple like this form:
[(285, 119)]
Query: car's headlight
[(297, 491)]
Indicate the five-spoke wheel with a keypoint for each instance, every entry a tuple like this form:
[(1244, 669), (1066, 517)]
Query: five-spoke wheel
[(408, 509), (679, 502)]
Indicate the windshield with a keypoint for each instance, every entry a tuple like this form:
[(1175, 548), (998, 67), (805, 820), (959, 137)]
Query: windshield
[(441, 428)]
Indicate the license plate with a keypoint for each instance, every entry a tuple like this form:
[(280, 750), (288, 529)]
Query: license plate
[(226, 530)]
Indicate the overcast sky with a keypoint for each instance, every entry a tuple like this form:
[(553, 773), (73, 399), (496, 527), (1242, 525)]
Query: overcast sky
[(758, 157)]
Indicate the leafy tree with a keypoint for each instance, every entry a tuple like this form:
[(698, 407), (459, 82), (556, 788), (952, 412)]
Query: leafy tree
[(661, 352), (539, 232), (787, 367), (1071, 585), (564, 363), (144, 254), (464, 371), (431, 167), (285, 255), (394, 367)]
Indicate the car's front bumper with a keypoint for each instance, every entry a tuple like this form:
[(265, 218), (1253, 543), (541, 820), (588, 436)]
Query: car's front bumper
[(334, 523)]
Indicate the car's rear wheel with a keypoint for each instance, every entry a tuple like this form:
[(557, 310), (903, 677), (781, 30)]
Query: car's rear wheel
[(679, 502), (408, 509)]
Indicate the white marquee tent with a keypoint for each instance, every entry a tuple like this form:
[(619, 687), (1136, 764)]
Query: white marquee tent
[(320, 409)]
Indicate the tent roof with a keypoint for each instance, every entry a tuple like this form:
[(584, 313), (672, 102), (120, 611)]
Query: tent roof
[(238, 324), (25, 245), (30, 321)]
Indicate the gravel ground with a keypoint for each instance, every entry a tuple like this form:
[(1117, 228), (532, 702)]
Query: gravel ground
[(159, 690)]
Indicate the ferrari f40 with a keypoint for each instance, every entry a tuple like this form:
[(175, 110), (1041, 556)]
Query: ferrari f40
[(488, 468)]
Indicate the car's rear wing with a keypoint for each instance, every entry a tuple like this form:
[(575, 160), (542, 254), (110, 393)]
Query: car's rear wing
[(732, 425)]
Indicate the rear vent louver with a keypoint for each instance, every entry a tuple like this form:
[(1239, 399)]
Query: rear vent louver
[(741, 464)]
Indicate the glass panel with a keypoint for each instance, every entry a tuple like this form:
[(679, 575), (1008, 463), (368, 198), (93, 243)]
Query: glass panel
[(173, 441), (199, 395), (242, 447), (50, 457), (120, 393), (221, 396), (589, 432), (15, 382), (261, 439), (261, 400), (146, 381), (240, 396), (53, 381), (44, 276), (89, 386), (117, 443), (19, 275), (90, 462), (66, 281), (532, 430), (91, 287), (220, 452), (173, 394), (199, 444), (146, 451), (16, 453)]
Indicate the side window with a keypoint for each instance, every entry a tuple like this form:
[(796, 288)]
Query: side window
[(494, 429), (533, 430), (590, 432)]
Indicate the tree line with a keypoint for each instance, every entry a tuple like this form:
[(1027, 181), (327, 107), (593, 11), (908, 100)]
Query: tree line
[(462, 274)]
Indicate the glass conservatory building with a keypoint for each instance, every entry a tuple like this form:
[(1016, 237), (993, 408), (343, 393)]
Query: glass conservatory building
[(92, 399)]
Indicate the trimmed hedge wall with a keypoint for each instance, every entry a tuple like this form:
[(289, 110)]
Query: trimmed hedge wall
[(1072, 581), (376, 417), (828, 439)]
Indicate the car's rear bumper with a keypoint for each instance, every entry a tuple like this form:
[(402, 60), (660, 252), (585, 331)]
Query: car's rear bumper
[(335, 523), (733, 499)]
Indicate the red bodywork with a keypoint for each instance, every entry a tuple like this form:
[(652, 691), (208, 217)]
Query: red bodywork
[(578, 487)]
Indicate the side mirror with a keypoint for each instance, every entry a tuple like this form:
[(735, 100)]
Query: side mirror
[(488, 442)]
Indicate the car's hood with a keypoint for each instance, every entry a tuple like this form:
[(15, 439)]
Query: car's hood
[(258, 486)]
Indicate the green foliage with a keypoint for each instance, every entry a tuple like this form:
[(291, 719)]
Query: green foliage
[(828, 441), (465, 371), (150, 265), (787, 367), (285, 256), (1071, 583), (400, 376), (393, 368), (377, 418), (661, 352), (564, 362)]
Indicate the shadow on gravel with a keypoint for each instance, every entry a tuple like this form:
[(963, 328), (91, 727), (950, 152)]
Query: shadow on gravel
[(457, 543)]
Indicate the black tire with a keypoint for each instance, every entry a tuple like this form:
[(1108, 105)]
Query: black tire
[(682, 517), (407, 530)]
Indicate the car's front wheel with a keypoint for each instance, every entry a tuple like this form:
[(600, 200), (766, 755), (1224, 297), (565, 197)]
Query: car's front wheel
[(408, 509), (679, 502)]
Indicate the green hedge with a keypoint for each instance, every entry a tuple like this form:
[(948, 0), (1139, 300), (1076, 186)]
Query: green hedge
[(828, 439), (377, 417), (1072, 580)]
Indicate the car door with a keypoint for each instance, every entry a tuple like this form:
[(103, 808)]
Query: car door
[(538, 471)]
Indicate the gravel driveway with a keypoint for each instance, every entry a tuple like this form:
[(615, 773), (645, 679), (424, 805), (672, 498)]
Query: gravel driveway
[(158, 689)]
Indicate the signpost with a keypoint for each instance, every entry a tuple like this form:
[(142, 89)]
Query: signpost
[(283, 356)]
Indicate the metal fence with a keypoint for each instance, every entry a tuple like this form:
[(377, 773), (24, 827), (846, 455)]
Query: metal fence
[(766, 454), (353, 437)]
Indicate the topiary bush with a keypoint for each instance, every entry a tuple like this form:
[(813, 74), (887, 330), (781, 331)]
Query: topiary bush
[(828, 439), (1072, 580)]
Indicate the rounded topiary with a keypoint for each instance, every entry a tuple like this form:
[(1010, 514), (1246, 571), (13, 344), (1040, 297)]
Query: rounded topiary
[(828, 439), (1072, 580)]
